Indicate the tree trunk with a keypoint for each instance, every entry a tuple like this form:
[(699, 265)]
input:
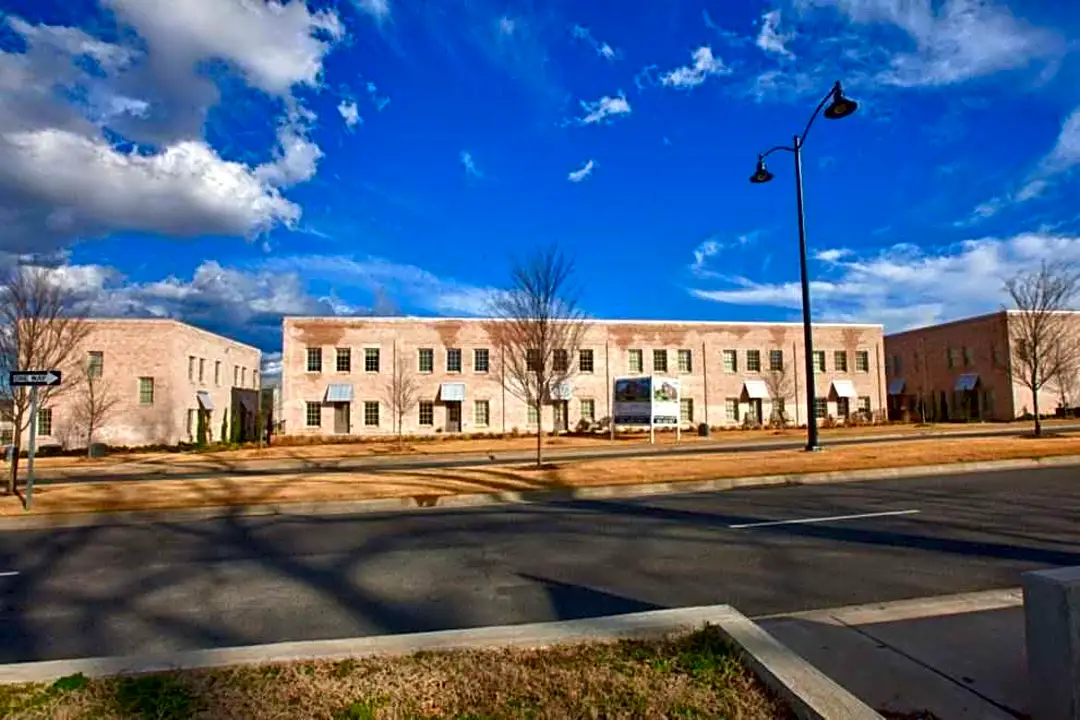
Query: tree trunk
[(13, 477), (539, 437), (1035, 405), (89, 443)]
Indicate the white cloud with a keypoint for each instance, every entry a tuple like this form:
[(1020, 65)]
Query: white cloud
[(903, 285), (507, 26), (296, 158), (469, 164), (604, 110), (378, 9), (770, 39), (955, 40), (581, 173), (711, 247), (601, 48), (690, 76), (349, 113)]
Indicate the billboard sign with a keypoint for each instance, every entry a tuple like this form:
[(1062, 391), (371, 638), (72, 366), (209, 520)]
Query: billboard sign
[(665, 401), (646, 400)]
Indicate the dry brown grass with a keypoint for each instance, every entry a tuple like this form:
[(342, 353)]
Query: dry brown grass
[(426, 486), (690, 676), (453, 445)]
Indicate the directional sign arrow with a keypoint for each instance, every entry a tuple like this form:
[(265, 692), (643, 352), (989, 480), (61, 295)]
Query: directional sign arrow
[(34, 378)]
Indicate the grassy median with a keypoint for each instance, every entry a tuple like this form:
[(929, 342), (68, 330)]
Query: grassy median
[(425, 487), (695, 675)]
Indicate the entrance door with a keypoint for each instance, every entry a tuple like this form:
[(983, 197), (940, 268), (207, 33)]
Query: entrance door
[(755, 411), (453, 417), (341, 418), (561, 411)]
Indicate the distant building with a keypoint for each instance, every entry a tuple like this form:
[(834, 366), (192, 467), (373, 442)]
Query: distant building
[(960, 371), (336, 373), (7, 427), (166, 378)]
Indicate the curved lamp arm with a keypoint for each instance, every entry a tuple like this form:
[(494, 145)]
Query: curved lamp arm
[(770, 151), (832, 92)]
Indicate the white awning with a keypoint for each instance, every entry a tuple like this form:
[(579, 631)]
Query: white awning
[(452, 392), (966, 382), (756, 389), (844, 389), (339, 393), (204, 400), (897, 385)]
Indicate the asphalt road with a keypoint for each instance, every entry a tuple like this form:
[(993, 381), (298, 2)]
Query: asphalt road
[(236, 581), (216, 468)]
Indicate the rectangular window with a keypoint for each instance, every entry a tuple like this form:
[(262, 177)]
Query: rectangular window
[(243, 377), (534, 415), (95, 363), (843, 408), (864, 405), (427, 413), (191, 423), (659, 361), (840, 360), (561, 361), (146, 391), (343, 360), (453, 360), (7, 436), (731, 361), (949, 358), (202, 369), (481, 360), (313, 414), (776, 360), (966, 353), (686, 410), (995, 355), (236, 375), (586, 363), (862, 361), (731, 409), (217, 373), (191, 368), (44, 421), (371, 413), (532, 360), (255, 379), (371, 360), (897, 365), (686, 361), (426, 358), (482, 413), (819, 361), (821, 408), (753, 361), (588, 410), (637, 361), (314, 359)]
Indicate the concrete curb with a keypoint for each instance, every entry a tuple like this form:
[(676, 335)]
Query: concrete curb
[(473, 500), (809, 692)]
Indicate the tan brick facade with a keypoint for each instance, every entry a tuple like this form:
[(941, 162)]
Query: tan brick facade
[(930, 364), (718, 395), (145, 366)]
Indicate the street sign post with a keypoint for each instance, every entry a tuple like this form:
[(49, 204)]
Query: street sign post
[(33, 379)]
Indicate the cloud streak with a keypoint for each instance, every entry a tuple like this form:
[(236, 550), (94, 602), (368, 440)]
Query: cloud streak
[(581, 173)]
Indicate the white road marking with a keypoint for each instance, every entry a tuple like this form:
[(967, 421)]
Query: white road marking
[(806, 521), (9, 573)]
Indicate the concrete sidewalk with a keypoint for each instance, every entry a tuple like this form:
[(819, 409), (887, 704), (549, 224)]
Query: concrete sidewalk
[(957, 657)]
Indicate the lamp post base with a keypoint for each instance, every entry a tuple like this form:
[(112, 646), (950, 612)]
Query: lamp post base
[(813, 448)]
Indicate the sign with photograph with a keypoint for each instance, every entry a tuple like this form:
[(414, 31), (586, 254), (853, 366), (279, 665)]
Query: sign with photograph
[(646, 400)]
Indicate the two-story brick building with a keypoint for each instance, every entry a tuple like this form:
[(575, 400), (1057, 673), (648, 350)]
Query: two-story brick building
[(960, 371), (336, 373), (161, 379)]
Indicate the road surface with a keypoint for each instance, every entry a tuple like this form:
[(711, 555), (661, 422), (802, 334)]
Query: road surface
[(237, 581)]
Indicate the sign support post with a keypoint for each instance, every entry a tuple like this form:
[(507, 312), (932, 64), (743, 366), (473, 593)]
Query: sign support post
[(32, 379)]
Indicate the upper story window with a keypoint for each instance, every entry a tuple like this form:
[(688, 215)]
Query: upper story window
[(731, 361), (314, 359), (686, 361), (776, 360), (217, 372), (532, 360), (636, 359), (862, 361), (586, 362), (453, 360), (561, 361), (840, 360), (659, 361), (426, 360), (95, 363), (371, 360), (897, 365), (343, 360), (481, 360), (146, 391), (819, 361), (753, 361)]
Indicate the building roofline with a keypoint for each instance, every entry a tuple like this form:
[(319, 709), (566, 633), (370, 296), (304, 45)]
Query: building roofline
[(603, 321), (949, 323), (172, 321)]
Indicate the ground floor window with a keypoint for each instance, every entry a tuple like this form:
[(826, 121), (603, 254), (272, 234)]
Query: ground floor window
[(313, 414), (482, 413), (843, 407), (864, 406), (731, 409), (371, 413), (427, 413), (534, 415), (821, 408), (44, 419), (588, 410), (686, 410), (191, 423), (7, 436)]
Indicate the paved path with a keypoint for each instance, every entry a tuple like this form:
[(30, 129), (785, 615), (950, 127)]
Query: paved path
[(215, 467), (239, 581)]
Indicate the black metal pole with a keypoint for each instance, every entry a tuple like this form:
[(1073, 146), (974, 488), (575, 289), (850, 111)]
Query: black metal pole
[(808, 333)]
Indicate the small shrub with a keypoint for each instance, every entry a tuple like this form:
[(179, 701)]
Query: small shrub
[(829, 423), (161, 697), (69, 683)]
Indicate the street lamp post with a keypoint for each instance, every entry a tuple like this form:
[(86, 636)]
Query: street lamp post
[(839, 107)]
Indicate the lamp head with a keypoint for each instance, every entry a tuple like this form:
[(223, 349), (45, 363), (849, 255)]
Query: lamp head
[(762, 174), (840, 107)]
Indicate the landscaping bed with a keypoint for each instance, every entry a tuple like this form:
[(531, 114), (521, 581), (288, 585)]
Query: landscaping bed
[(694, 675)]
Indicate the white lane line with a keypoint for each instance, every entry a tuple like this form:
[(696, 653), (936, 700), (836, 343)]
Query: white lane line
[(806, 521), (9, 573)]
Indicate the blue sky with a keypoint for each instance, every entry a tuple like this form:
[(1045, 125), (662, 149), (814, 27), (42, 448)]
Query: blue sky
[(230, 161)]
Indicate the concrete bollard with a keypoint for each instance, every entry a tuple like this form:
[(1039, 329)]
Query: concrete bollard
[(1052, 622)]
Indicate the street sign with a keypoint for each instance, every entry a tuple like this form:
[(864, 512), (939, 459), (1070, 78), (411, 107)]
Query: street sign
[(34, 378)]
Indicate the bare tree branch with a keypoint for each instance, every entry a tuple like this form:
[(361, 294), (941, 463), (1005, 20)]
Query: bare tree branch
[(536, 331), (780, 386), (39, 330), (402, 392), (95, 402), (1044, 346)]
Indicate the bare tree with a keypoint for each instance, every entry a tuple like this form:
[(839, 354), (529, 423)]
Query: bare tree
[(778, 382), (38, 331), (1044, 346), (402, 392), (95, 402), (536, 331)]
